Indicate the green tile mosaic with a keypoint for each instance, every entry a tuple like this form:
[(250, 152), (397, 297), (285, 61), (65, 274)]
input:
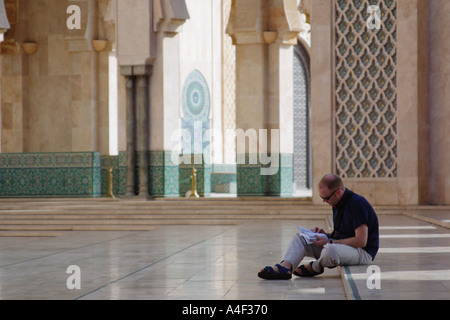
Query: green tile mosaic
[(85, 175), (119, 173), (163, 175), (167, 179), (75, 174), (251, 181), (203, 178), (223, 182)]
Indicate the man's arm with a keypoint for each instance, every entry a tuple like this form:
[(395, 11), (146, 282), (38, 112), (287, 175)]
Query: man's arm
[(358, 241)]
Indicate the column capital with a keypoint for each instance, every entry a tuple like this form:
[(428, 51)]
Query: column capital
[(139, 70), (250, 20)]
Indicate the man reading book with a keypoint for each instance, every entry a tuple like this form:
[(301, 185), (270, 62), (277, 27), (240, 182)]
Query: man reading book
[(354, 241)]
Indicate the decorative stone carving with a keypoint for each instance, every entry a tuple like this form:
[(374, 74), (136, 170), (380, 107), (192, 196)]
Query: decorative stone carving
[(366, 91)]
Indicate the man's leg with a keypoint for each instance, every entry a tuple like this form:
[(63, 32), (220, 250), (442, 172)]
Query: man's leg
[(334, 255), (298, 249)]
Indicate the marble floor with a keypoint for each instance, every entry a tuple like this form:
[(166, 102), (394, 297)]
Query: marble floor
[(188, 262)]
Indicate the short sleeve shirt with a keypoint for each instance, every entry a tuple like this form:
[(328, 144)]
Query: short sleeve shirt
[(350, 213)]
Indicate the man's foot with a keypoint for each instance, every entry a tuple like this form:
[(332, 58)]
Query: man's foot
[(277, 272), (306, 270)]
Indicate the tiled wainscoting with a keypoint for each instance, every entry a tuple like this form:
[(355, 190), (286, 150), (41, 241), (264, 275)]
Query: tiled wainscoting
[(50, 174), (85, 174)]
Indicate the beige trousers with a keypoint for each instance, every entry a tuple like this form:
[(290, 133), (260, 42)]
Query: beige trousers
[(329, 256)]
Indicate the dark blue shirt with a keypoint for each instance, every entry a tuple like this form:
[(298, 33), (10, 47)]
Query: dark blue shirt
[(350, 213)]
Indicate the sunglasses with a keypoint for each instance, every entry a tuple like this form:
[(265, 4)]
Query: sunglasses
[(329, 197)]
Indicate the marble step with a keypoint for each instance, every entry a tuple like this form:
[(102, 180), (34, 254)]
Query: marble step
[(51, 217), (150, 212), (141, 219), (101, 226), (31, 233), (38, 216)]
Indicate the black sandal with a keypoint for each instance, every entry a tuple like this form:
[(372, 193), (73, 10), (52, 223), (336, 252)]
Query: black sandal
[(306, 272), (268, 273)]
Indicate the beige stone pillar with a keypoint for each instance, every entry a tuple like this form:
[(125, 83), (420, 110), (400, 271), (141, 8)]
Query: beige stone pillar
[(439, 102), (166, 90), (263, 33), (247, 22), (321, 89), (413, 106)]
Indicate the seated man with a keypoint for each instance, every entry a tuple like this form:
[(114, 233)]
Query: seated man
[(354, 241)]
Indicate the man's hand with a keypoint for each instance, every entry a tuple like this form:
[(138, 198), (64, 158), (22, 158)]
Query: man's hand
[(320, 241), (317, 230)]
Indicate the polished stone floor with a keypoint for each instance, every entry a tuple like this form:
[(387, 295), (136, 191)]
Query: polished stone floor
[(217, 263)]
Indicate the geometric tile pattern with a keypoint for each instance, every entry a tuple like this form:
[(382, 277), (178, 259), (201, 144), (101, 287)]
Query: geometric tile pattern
[(203, 177), (366, 90), (164, 175), (250, 181), (119, 173), (50, 174), (167, 179)]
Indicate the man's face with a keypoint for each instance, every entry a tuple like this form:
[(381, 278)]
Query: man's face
[(331, 197)]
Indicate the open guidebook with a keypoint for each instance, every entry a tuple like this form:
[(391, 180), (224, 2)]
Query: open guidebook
[(308, 234)]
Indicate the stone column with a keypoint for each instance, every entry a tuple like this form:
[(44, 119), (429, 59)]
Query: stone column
[(321, 87), (131, 147), (263, 33), (137, 110), (246, 25), (142, 128), (135, 51)]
